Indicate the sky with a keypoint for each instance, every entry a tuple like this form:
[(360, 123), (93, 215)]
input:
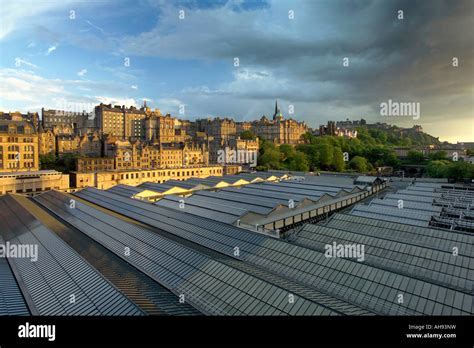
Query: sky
[(181, 56)]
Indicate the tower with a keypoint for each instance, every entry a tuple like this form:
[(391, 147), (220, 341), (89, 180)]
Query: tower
[(277, 115)]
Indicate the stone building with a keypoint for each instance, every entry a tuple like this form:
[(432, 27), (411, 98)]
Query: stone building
[(76, 120), (138, 124), (47, 142), (278, 130), (33, 181), (218, 128), (18, 146), (87, 145), (107, 179)]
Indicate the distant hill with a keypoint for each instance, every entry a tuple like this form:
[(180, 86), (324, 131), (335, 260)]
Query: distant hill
[(397, 136)]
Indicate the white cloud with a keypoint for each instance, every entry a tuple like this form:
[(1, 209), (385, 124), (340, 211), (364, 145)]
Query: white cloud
[(135, 87), (96, 27), (82, 72), (51, 49), (15, 15), (117, 101), (171, 106), (25, 90), (19, 62)]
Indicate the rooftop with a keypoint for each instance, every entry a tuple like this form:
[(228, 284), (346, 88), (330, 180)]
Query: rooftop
[(222, 269)]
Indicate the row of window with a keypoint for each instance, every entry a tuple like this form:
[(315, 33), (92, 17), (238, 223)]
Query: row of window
[(16, 165), (168, 173), (38, 189), (17, 140)]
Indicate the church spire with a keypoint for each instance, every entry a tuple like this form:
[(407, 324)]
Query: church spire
[(277, 114)]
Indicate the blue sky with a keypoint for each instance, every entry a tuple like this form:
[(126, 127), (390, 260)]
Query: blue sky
[(49, 60)]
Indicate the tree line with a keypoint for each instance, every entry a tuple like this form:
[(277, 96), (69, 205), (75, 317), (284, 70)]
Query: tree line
[(371, 149)]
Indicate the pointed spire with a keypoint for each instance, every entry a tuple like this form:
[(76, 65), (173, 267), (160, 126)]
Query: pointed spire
[(277, 114)]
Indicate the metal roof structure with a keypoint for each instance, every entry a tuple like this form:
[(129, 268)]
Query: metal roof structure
[(152, 191), (126, 190), (11, 298), (59, 282), (451, 206), (408, 234), (391, 253), (356, 283), (265, 203), (400, 241), (410, 198), (193, 205), (121, 256), (389, 202), (196, 228), (368, 180), (406, 216), (209, 285)]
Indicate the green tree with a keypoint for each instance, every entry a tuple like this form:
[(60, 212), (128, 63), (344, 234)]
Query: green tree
[(48, 161), (439, 155), (437, 169), (287, 151), (270, 158), (68, 162), (414, 156), (380, 156), (299, 162), (325, 155), (247, 135), (359, 164), (460, 170), (338, 160), (312, 154)]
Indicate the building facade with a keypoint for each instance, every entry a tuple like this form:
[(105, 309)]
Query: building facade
[(47, 142), (107, 179), (277, 130), (18, 146), (130, 155), (218, 128), (52, 118), (33, 181)]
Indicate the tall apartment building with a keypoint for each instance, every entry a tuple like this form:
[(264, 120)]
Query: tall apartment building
[(164, 129), (111, 120), (77, 120), (30, 117), (126, 155), (218, 128), (134, 122), (138, 124), (18, 146)]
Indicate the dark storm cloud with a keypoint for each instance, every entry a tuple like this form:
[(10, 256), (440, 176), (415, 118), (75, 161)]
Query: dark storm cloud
[(407, 60)]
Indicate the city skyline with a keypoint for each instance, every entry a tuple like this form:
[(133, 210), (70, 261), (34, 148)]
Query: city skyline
[(68, 53)]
